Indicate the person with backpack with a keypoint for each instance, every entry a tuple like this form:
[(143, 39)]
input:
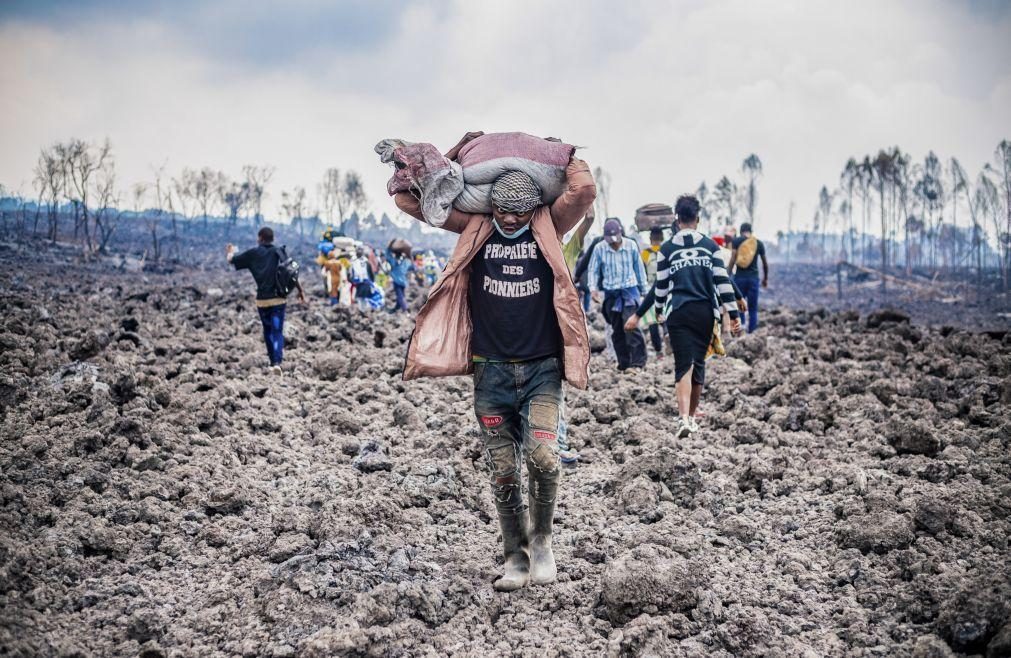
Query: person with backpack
[(581, 274), (618, 282), (691, 285), (744, 255), (276, 275), (506, 310)]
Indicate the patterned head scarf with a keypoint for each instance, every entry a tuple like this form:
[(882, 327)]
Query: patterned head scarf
[(515, 192)]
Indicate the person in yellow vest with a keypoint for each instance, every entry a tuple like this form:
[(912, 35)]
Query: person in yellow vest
[(649, 257), (746, 251)]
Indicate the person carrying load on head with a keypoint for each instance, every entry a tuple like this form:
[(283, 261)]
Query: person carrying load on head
[(401, 266), (505, 310)]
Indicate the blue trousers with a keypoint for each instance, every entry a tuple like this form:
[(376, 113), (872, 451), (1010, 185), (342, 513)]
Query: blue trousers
[(750, 286), (401, 300), (272, 319)]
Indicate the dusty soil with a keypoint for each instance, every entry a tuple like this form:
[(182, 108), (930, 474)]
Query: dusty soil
[(162, 495)]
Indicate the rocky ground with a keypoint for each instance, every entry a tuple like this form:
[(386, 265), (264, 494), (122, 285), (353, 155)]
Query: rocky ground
[(951, 300), (162, 495)]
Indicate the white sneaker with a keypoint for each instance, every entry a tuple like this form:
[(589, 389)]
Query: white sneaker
[(693, 424), (684, 428), (276, 370)]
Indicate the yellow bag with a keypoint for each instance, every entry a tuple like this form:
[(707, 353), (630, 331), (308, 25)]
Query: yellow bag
[(746, 252), (715, 343)]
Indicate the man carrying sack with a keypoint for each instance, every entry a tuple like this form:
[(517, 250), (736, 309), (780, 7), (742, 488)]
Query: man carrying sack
[(505, 309)]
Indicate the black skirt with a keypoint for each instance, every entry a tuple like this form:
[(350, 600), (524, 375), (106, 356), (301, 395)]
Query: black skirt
[(690, 328)]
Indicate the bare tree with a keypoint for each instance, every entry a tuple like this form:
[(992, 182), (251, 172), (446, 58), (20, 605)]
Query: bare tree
[(139, 193), (702, 194), (848, 181), (256, 180), (234, 196), (789, 230), (293, 205), (823, 217), (80, 162), (107, 212), (327, 192), (350, 197), (1003, 171), (206, 191), (725, 194), (162, 204), (752, 168), (884, 168), (603, 200), (865, 180), (959, 183), (930, 191), (48, 180)]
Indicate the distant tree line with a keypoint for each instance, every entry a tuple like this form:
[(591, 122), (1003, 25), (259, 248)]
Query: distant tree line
[(79, 178), (931, 214), (886, 208)]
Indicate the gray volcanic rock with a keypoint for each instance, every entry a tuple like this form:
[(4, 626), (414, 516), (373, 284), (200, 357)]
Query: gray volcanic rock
[(879, 532), (640, 496), (372, 457), (649, 579), (914, 437), (848, 493)]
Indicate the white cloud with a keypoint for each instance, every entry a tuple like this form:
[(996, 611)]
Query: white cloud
[(663, 95)]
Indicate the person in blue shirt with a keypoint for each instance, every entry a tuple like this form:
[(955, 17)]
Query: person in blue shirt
[(618, 279), (400, 267)]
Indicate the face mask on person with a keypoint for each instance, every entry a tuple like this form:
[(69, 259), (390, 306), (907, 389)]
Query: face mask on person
[(510, 236)]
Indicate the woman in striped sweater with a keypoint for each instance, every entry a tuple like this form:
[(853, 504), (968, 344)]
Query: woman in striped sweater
[(691, 286)]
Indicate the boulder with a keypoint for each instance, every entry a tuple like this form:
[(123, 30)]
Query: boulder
[(649, 579)]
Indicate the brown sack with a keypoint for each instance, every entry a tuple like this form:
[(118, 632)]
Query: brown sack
[(400, 246), (654, 215)]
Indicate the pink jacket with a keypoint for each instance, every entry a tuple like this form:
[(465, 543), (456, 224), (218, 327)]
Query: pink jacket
[(440, 345)]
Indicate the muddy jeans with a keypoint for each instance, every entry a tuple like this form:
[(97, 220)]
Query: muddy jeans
[(518, 408)]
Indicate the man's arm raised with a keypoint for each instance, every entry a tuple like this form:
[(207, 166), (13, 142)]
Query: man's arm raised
[(580, 191)]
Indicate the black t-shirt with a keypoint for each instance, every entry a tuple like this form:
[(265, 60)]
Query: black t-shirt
[(512, 301), (262, 262), (752, 269)]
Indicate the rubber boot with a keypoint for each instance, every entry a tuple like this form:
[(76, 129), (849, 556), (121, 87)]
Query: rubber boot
[(543, 490), (515, 540)]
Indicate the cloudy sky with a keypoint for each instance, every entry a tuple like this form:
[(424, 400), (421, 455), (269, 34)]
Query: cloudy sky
[(662, 95)]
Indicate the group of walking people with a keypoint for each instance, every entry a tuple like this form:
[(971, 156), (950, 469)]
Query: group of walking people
[(355, 273), (506, 311)]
